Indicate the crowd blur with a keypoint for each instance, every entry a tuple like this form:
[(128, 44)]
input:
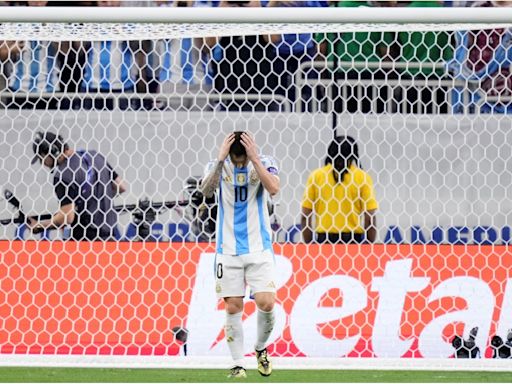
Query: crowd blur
[(44, 74)]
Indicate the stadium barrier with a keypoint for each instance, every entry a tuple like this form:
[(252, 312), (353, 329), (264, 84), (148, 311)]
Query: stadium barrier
[(332, 301)]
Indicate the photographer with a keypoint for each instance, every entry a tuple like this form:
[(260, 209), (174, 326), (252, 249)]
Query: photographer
[(85, 185)]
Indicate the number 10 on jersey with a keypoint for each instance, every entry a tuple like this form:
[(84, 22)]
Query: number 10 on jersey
[(240, 193)]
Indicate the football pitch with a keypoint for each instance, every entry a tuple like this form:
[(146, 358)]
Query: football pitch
[(119, 375)]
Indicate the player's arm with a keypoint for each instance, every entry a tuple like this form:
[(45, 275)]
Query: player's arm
[(117, 183), (270, 182), (370, 208), (212, 179), (64, 216), (66, 193), (120, 185)]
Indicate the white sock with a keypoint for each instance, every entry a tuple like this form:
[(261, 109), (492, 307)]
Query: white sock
[(235, 337), (266, 322)]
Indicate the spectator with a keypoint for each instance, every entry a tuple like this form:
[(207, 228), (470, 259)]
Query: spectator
[(243, 65), (9, 53), (336, 196), (346, 48), (71, 55), (183, 67), (145, 78), (292, 49), (85, 185), (108, 69), (34, 71), (484, 57), (425, 48)]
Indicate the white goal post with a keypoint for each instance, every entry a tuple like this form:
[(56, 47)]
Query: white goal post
[(202, 22)]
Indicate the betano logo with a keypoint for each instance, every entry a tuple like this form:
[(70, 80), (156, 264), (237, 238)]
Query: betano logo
[(409, 302), (343, 300)]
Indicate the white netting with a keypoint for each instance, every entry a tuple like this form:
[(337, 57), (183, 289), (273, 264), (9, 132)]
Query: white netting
[(89, 24), (141, 31), (428, 105)]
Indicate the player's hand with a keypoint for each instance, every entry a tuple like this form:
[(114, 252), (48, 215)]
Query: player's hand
[(224, 148), (249, 145)]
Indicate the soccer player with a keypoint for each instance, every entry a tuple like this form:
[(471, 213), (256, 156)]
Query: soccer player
[(244, 246)]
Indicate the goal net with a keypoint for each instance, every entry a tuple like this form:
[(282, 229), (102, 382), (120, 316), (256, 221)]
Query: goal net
[(109, 257)]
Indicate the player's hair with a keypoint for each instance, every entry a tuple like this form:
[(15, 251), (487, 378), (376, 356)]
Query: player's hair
[(237, 148), (342, 152)]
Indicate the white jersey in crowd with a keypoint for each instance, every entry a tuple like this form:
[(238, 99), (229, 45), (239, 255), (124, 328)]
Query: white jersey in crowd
[(37, 69), (109, 66), (243, 223), (181, 60)]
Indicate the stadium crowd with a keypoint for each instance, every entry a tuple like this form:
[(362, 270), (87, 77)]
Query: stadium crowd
[(190, 70)]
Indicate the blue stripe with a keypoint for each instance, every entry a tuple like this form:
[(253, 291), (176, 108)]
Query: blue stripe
[(34, 65), (240, 217), (105, 59), (186, 60), (265, 235), (208, 68), (19, 74), (88, 70), (165, 73), (50, 63), (126, 79), (220, 222)]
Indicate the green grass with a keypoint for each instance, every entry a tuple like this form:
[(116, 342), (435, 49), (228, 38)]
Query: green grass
[(118, 375)]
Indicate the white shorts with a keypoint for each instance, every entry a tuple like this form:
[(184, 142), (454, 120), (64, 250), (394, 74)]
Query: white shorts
[(234, 273)]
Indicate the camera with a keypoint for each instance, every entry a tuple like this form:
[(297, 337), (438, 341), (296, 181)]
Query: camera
[(501, 349), (202, 211), (466, 349)]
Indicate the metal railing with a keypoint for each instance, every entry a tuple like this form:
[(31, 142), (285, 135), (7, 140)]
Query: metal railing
[(211, 99), (391, 93), (394, 89)]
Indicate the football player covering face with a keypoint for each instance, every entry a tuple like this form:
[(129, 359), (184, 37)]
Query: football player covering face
[(244, 256), (237, 152)]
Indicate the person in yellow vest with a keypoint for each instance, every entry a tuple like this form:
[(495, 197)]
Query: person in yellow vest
[(339, 203)]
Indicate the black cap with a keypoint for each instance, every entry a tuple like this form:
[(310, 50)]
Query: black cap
[(47, 143)]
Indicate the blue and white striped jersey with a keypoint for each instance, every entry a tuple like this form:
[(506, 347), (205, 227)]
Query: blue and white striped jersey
[(108, 66), (36, 70), (243, 223), (181, 61)]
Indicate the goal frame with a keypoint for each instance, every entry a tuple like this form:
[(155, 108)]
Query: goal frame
[(295, 16)]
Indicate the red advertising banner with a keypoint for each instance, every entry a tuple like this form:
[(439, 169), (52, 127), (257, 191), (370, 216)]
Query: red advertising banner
[(359, 301)]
